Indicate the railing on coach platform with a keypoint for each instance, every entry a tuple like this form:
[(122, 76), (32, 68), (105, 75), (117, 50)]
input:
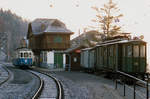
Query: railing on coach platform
[(118, 73)]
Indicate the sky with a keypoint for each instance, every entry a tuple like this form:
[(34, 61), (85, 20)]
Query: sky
[(77, 14)]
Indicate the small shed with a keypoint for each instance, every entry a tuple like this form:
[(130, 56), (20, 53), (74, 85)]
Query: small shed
[(73, 58)]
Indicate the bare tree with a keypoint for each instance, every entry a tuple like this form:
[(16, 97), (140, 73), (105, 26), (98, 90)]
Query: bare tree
[(107, 18)]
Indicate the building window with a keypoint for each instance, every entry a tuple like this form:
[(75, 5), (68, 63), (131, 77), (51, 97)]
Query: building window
[(57, 39), (75, 59)]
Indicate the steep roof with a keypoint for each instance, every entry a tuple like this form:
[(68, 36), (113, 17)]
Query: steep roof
[(40, 25), (85, 40)]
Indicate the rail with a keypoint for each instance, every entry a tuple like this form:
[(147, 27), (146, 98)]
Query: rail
[(60, 94), (38, 92), (134, 86)]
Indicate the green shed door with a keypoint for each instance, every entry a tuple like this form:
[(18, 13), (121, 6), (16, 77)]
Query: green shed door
[(58, 60)]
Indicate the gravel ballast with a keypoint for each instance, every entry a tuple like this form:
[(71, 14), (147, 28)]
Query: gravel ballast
[(86, 86), (3, 74), (49, 90), (21, 85)]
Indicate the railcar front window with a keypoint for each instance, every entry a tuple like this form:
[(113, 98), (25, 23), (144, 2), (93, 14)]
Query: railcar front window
[(29, 54), (136, 51), (142, 51), (129, 50), (25, 54), (21, 54)]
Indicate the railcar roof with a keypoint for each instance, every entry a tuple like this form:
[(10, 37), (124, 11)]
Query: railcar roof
[(23, 49), (26, 51)]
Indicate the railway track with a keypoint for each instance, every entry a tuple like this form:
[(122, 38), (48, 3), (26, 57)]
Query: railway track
[(4, 81), (38, 92), (60, 93)]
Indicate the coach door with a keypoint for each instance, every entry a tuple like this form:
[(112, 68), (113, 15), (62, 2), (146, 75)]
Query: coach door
[(142, 58), (128, 58), (105, 57), (136, 58)]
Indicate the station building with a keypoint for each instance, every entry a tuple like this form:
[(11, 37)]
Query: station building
[(48, 38)]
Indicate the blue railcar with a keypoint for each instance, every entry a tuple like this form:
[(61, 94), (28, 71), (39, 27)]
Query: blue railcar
[(23, 58)]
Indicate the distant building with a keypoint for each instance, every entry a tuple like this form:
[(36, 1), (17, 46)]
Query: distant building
[(88, 39), (85, 40), (46, 37)]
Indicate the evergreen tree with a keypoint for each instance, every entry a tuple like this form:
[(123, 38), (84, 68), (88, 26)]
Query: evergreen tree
[(14, 27)]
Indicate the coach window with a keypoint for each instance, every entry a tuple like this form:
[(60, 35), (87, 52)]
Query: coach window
[(111, 51), (129, 50), (124, 50), (142, 51), (114, 51), (136, 51)]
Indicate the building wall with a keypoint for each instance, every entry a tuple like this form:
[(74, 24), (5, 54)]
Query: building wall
[(50, 57), (57, 41), (47, 59), (49, 42), (64, 60)]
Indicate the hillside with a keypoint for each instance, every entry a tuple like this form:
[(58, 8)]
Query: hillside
[(12, 29)]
